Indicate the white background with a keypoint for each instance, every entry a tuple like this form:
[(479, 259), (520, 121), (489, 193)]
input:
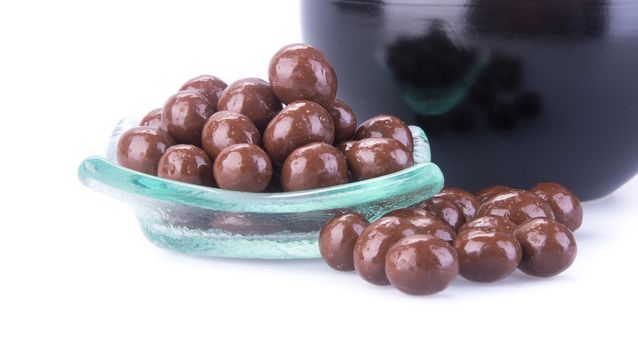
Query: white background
[(76, 272)]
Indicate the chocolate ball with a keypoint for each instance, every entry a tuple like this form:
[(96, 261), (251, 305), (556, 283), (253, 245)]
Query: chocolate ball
[(488, 192), (242, 167), (565, 205), (487, 256), (315, 165), (184, 115), (426, 223), (227, 128), (337, 240), (152, 119), (344, 147), (376, 157), (421, 265), (299, 124), (386, 126), (253, 98), (344, 121), (489, 224), (186, 163), (516, 205), (373, 244), (141, 148), (444, 210), (208, 86), (549, 247), (462, 199), (301, 72)]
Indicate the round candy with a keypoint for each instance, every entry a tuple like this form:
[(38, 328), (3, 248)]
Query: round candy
[(344, 120), (421, 265), (184, 115), (376, 157), (141, 148), (565, 205), (314, 166), (488, 192), (426, 223), (301, 72), (516, 205), (387, 126), (548, 247), (487, 256), (208, 86), (242, 167), (462, 199), (337, 240), (489, 224), (299, 124), (345, 146), (227, 128), (373, 245), (253, 98), (444, 210), (153, 119), (186, 163)]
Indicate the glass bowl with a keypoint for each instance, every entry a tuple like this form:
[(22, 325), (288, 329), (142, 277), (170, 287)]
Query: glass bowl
[(213, 222)]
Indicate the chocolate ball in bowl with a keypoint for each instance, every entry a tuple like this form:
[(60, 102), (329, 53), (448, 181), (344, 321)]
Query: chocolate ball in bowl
[(376, 157), (184, 115), (242, 167), (299, 124), (186, 163), (301, 72), (141, 148), (253, 98), (516, 205), (152, 119), (314, 166), (344, 121), (208, 86), (549, 247), (387, 126), (444, 210), (462, 199), (337, 239), (487, 256), (226, 128), (564, 203)]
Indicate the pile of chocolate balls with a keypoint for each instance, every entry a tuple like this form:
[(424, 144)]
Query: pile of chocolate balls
[(238, 137), (483, 237)]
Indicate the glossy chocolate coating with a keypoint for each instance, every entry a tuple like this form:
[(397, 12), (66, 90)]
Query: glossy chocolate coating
[(426, 223), (315, 165), (487, 256), (344, 121), (337, 240), (242, 167), (345, 146), (299, 124), (184, 115), (186, 163), (152, 119), (376, 157), (387, 126), (253, 98), (549, 247), (301, 72), (421, 265), (226, 128), (488, 192), (489, 224), (462, 199), (141, 148), (565, 205), (208, 86), (516, 205), (373, 244), (444, 210)]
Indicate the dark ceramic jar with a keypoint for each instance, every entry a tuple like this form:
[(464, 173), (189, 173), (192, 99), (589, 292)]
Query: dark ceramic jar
[(510, 92)]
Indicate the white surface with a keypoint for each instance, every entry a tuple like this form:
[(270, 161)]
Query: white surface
[(76, 272)]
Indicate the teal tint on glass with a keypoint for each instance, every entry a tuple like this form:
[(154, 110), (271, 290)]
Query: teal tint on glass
[(213, 222)]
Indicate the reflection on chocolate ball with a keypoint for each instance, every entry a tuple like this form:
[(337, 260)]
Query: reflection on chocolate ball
[(375, 157), (301, 72), (489, 224), (186, 163), (344, 121), (487, 256), (242, 167), (208, 86), (299, 124), (184, 115), (387, 126), (564, 203), (253, 98), (337, 240), (344, 147), (549, 247), (426, 223), (152, 119), (444, 210), (315, 165), (226, 128), (486, 193), (516, 205), (141, 148), (462, 199)]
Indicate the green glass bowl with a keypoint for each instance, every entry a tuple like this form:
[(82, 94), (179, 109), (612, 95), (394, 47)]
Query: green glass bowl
[(213, 222)]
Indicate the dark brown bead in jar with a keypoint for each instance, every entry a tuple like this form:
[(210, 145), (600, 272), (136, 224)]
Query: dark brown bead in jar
[(315, 165), (253, 98), (377, 157), (226, 128), (186, 163), (387, 126), (141, 148), (243, 167)]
